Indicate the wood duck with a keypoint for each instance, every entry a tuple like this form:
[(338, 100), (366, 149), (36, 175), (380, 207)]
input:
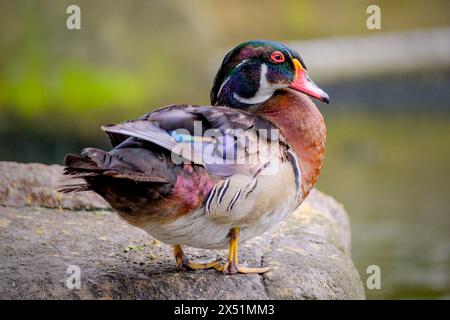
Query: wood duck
[(210, 176)]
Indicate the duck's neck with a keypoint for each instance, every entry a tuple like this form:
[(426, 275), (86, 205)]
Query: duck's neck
[(302, 125)]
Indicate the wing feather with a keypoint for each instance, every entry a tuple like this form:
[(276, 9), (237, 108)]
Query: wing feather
[(222, 139)]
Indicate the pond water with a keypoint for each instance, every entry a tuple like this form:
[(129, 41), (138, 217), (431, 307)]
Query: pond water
[(392, 174)]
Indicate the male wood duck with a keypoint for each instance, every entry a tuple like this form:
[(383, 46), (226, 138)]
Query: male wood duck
[(210, 176)]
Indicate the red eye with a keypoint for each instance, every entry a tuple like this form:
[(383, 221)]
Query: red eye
[(277, 57)]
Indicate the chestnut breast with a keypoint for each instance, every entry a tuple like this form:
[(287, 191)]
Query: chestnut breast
[(301, 124)]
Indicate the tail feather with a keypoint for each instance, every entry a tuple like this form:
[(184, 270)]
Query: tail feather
[(78, 163), (74, 187), (96, 167)]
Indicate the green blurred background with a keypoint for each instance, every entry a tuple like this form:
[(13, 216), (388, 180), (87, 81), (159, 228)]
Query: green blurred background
[(388, 150)]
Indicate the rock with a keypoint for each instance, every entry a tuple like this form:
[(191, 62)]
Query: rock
[(36, 184), (42, 233)]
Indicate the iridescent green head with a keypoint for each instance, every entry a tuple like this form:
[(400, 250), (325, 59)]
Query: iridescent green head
[(254, 70)]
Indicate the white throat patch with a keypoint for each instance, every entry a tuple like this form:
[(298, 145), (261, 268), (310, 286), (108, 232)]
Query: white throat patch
[(265, 90)]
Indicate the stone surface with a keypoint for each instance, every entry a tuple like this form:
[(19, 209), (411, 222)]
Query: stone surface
[(36, 184), (43, 232)]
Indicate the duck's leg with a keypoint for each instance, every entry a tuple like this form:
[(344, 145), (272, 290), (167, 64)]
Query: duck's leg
[(232, 265), (184, 264)]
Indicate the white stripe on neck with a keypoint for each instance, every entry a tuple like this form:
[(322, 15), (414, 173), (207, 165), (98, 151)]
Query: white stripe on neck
[(229, 77), (265, 90)]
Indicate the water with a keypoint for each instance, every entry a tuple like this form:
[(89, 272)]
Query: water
[(392, 174)]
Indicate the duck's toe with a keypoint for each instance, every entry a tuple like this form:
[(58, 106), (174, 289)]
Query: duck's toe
[(184, 264), (253, 270), (200, 266)]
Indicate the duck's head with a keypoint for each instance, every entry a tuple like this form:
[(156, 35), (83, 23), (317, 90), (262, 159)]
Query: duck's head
[(254, 70)]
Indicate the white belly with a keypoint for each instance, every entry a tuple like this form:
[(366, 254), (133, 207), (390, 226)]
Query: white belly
[(197, 230), (277, 199)]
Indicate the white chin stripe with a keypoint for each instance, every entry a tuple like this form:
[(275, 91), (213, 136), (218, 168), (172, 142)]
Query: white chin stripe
[(265, 90)]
